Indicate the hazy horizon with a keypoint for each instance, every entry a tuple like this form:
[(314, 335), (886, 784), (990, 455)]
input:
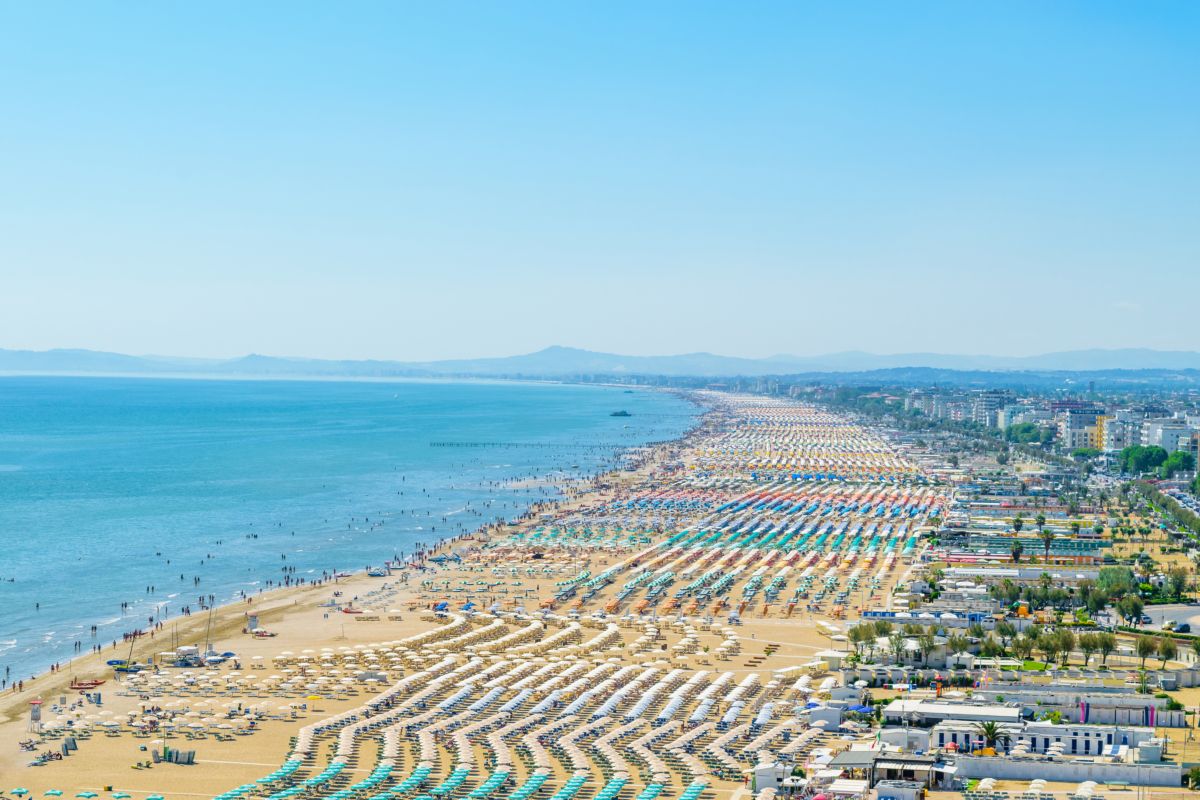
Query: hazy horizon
[(481, 356), (413, 183)]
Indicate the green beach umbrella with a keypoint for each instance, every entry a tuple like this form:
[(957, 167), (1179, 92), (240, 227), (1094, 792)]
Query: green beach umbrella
[(155, 797), (120, 796), (18, 791), (53, 793)]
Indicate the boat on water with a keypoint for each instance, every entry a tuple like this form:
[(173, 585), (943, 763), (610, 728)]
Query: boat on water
[(621, 413)]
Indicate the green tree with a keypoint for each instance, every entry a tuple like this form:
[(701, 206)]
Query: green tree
[(1023, 433), (1006, 631), (1115, 582), (1018, 523), (991, 648), (1096, 602), (926, 644), (1130, 608), (1178, 461), (1024, 645), (1177, 580), (1066, 643), (1106, 645), (1145, 646), (1048, 646), (1138, 458), (860, 635), (1167, 650), (1087, 646), (957, 644)]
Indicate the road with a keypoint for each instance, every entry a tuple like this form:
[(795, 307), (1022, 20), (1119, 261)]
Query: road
[(1180, 612)]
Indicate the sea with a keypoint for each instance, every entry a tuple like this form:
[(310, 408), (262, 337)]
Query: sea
[(126, 499)]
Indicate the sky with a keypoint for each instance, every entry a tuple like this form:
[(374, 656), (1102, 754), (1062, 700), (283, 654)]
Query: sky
[(434, 180)]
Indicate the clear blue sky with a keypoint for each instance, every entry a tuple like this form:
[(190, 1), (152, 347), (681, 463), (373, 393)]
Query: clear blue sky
[(432, 180)]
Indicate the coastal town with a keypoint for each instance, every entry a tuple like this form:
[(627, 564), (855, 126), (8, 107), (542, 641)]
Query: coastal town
[(600, 401), (888, 595)]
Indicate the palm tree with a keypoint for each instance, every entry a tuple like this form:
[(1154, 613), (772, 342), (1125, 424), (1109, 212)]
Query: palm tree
[(1018, 523), (992, 734), (1017, 550), (1040, 521), (1047, 539)]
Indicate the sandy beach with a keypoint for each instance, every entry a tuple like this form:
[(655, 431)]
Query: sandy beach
[(553, 643)]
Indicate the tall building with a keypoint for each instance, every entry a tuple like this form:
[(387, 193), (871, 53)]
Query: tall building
[(1117, 433), (1077, 426), (1168, 433), (986, 405)]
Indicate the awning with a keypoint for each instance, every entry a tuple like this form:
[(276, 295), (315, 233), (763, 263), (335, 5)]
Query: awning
[(901, 765), (949, 769)]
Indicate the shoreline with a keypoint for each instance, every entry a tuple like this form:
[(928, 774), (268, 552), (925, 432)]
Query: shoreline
[(552, 622), (226, 623)]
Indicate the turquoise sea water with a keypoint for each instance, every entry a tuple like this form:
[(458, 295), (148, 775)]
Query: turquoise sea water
[(111, 485)]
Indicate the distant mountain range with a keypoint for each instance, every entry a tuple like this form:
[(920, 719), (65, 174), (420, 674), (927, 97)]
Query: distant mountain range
[(566, 362)]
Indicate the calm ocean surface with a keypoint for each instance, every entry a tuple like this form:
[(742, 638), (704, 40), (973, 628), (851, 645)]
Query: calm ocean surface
[(111, 485)]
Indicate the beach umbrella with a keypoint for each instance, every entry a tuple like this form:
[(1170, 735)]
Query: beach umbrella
[(53, 793), (20, 790)]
